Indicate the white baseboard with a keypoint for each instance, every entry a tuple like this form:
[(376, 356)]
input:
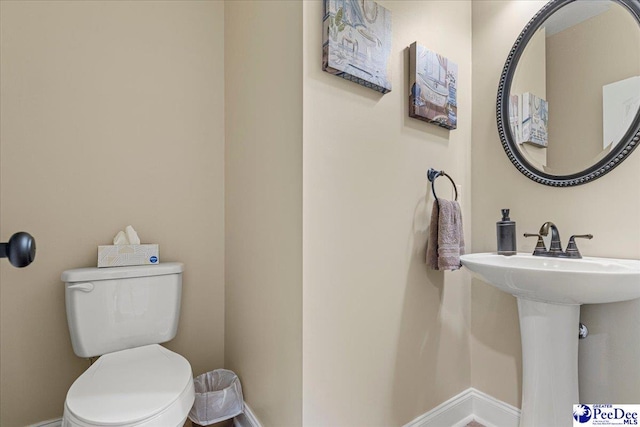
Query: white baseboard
[(493, 412), (468, 406), (450, 413), (247, 419)]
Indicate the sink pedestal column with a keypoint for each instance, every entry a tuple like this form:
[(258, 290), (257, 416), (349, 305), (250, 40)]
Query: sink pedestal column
[(549, 363)]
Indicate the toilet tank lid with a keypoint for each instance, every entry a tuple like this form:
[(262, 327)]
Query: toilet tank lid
[(108, 273)]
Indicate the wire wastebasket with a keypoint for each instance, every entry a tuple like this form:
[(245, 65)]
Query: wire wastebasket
[(218, 397)]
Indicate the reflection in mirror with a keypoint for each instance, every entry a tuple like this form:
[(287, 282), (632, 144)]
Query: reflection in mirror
[(576, 88)]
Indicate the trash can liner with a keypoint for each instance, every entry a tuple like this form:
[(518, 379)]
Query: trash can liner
[(218, 397)]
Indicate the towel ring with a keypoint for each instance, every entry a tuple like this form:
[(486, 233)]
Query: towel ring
[(432, 174)]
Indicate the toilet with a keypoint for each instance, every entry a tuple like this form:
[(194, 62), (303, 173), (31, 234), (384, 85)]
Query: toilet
[(122, 314)]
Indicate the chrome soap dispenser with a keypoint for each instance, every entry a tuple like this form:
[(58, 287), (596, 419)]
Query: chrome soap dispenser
[(506, 234)]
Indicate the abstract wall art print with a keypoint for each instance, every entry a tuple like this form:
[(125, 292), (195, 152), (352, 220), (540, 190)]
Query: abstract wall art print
[(356, 42), (433, 87)]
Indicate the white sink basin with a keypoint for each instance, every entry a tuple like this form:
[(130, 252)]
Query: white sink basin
[(550, 292), (558, 280)]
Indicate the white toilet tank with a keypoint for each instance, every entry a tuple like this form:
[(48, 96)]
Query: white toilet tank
[(116, 308)]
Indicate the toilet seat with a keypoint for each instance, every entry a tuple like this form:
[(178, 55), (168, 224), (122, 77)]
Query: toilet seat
[(143, 386)]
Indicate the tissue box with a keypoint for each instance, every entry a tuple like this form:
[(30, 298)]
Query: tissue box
[(120, 255)]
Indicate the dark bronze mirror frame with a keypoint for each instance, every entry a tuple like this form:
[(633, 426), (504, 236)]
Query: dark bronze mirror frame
[(629, 141)]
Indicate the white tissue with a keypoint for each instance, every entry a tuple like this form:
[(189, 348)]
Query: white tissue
[(127, 237), (120, 239), (132, 236)]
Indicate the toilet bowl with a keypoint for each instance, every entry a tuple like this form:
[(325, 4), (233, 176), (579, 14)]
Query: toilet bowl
[(122, 314), (145, 386)]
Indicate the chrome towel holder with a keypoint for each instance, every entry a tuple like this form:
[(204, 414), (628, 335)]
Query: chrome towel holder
[(432, 174)]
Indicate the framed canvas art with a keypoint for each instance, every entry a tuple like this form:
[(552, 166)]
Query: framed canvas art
[(357, 42), (433, 87)]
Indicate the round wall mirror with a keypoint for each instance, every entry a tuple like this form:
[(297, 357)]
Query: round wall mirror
[(568, 107)]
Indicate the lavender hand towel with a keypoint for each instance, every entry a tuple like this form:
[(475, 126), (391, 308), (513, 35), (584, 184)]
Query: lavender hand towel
[(446, 237), (432, 242)]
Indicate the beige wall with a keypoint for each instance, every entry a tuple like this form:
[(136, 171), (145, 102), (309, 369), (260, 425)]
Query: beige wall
[(608, 207), (385, 340), (263, 205), (111, 114), (579, 63)]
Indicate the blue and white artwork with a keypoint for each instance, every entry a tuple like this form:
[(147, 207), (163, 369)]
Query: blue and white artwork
[(433, 83), (357, 42)]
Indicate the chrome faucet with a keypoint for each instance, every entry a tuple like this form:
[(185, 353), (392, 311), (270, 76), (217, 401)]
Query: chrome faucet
[(555, 247)]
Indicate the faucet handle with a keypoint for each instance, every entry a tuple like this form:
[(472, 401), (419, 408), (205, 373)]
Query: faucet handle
[(581, 236), (572, 249), (540, 248)]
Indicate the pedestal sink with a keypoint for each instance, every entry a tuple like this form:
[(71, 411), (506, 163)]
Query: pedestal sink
[(550, 292)]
